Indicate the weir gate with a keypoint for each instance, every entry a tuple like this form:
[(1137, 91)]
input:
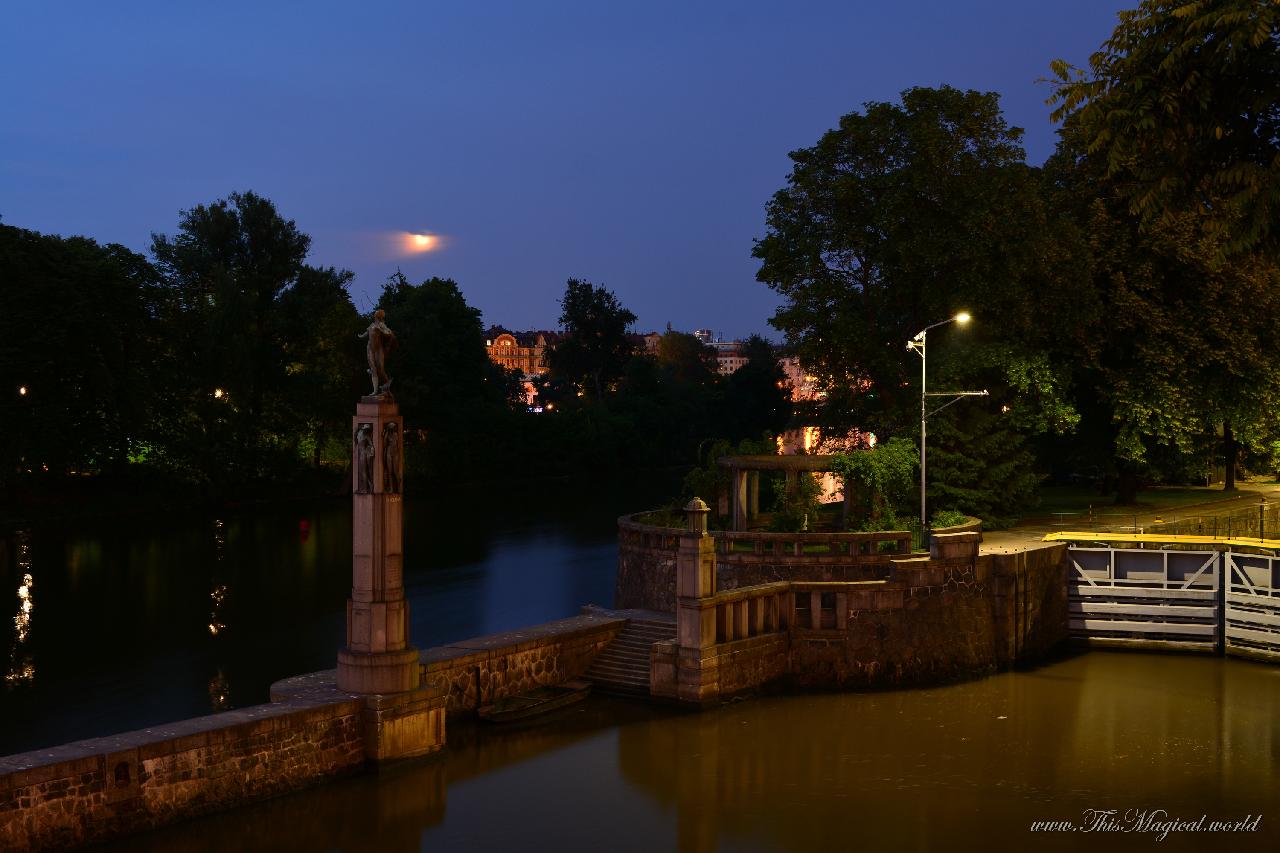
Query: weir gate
[(1194, 593)]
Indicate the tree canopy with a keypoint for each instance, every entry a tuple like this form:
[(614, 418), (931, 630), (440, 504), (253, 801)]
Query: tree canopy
[(1182, 104), (252, 330), (595, 348), (898, 218)]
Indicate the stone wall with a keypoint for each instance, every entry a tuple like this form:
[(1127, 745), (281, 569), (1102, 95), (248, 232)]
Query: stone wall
[(736, 571), (480, 671), (101, 788), (940, 621), (933, 620), (646, 568)]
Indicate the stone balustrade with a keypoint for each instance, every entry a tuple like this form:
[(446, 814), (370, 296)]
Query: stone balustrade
[(751, 612), (647, 559)]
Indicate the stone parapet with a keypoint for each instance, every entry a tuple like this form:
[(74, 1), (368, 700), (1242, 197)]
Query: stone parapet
[(477, 672), (102, 788)]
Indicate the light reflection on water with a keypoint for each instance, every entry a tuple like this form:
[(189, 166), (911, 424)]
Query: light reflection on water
[(21, 667), (963, 767)]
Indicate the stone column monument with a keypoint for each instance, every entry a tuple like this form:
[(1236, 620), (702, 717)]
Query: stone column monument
[(402, 718)]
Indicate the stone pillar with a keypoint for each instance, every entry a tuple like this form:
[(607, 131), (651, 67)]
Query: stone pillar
[(753, 503), (740, 507), (402, 718), (697, 678)]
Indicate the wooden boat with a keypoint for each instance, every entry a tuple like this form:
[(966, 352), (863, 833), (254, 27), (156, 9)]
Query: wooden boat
[(539, 700)]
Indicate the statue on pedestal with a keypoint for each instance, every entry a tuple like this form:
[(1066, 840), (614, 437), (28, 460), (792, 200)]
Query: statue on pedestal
[(381, 341)]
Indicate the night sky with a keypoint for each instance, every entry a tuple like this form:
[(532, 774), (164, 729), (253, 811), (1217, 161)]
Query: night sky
[(632, 144)]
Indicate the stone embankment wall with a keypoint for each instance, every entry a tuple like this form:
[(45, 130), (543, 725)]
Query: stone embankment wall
[(952, 616), (480, 671), (646, 566), (940, 621), (102, 788)]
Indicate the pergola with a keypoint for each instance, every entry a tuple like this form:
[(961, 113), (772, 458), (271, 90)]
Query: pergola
[(746, 470)]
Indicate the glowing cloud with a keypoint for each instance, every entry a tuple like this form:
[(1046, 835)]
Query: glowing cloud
[(414, 244)]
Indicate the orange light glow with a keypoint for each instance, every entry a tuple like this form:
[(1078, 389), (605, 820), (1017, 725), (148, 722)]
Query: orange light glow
[(417, 243)]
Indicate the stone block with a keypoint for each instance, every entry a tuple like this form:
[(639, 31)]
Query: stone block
[(405, 725)]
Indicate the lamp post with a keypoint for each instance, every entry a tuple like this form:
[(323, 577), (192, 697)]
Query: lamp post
[(917, 344)]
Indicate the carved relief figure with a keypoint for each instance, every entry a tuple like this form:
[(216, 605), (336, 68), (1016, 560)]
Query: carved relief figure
[(381, 341), (391, 457), (364, 459)]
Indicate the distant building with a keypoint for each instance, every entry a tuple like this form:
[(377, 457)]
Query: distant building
[(804, 388), (523, 351)]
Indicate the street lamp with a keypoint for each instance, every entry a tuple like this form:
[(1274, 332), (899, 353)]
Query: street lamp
[(917, 344)]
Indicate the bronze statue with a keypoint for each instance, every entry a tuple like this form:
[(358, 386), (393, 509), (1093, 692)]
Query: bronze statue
[(391, 457), (364, 459), (381, 341)]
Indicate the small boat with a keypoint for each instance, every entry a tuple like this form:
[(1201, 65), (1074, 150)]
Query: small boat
[(539, 700)]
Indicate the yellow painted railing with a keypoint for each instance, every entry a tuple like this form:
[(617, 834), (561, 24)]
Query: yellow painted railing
[(1156, 538)]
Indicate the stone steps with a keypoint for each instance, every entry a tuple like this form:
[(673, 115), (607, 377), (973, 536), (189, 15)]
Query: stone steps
[(623, 666)]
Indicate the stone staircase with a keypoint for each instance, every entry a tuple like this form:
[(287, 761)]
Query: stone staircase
[(623, 666)]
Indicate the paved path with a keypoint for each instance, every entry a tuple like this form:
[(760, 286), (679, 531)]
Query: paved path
[(1031, 531)]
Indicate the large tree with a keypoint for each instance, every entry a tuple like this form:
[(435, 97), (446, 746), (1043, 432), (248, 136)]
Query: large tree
[(896, 219), (1182, 104), (245, 313), (595, 349), (1177, 343)]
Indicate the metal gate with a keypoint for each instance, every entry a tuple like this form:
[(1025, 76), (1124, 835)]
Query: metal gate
[(1252, 608), (1130, 596)]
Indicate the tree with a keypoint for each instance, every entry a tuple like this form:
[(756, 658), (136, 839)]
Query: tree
[(1182, 103), (686, 357), (454, 398), (595, 348), (900, 217), (237, 289), (756, 399), (79, 354)]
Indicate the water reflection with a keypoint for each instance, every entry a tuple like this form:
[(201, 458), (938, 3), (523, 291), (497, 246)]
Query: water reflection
[(217, 597), (220, 692), (965, 767), (21, 667)]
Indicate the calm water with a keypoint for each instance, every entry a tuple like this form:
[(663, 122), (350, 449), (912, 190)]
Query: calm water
[(118, 635), (966, 767), (127, 623)]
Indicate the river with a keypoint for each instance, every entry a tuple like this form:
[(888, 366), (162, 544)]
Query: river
[(121, 628)]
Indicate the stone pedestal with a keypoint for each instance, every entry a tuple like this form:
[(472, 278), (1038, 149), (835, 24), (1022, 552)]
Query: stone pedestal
[(402, 718), (696, 676)]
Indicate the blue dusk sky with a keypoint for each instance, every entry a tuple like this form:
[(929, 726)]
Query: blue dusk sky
[(631, 144)]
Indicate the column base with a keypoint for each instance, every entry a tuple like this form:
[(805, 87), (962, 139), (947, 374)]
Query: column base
[(404, 725), (378, 672)]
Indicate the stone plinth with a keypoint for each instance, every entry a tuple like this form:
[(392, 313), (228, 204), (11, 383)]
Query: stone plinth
[(401, 719)]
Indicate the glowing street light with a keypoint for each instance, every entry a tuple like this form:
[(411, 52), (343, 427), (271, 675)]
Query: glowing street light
[(22, 390), (917, 344)]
